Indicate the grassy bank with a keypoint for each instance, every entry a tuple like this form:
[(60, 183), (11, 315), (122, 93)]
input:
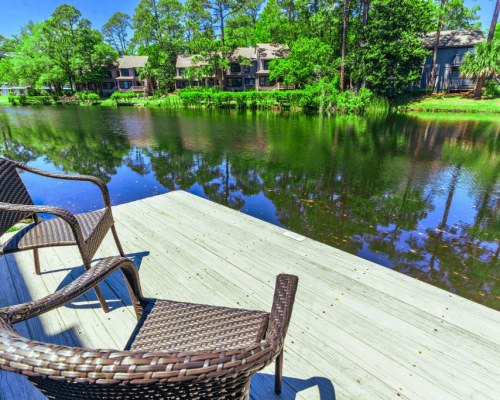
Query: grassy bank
[(4, 101), (450, 103)]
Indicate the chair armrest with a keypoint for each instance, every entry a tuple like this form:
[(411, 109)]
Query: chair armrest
[(76, 288), (87, 178), (57, 211), (284, 297)]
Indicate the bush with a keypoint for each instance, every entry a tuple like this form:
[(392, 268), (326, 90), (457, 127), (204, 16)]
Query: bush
[(352, 102), (491, 88), (12, 99), (119, 97), (209, 89)]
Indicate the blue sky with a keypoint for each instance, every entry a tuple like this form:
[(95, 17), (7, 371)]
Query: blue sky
[(18, 12)]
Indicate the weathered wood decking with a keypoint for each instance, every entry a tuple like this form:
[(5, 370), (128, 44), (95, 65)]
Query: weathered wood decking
[(359, 330)]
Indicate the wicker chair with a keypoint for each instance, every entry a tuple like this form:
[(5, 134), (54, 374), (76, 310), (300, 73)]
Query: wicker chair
[(86, 230), (177, 351)]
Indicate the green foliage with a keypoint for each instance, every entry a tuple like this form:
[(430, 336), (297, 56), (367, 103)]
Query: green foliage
[(88, 97), (115, 33), (492, 88), (484, 62), (12, 99), (353, 103), (393, 52), (158, 34), (323, 95), (25, 100), (309, 61), (123, 97), (458, 16)]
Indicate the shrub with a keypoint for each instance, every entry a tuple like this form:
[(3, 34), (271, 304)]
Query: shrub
[(492, 88), (12, 99), (352, 102), (119, 97)]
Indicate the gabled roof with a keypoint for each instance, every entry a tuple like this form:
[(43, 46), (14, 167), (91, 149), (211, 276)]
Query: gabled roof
[(186, 61), (132, 61), (269, 51), (457, 38), (244, 52)]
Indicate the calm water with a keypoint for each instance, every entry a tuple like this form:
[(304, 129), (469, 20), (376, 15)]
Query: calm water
[(420, 195)]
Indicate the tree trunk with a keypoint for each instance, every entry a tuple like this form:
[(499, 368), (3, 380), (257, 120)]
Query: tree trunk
[(478, 88), (493, 24), (221, 17), (366, 7), (344, 43), (432, 79)]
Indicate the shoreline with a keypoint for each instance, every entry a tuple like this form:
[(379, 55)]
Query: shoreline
[(491, 106)]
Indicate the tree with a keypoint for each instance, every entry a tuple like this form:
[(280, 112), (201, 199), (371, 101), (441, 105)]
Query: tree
[(452, 14), (486, 60), (440, 24), (484, 63), (392, 55), (344, 43), (4, 46), (308, 62), (458, 16), (221, 10), (159, 34), (115, 33), (73, 47)]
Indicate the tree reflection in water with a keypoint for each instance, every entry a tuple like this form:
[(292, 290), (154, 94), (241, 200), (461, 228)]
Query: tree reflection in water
[(419, 195)]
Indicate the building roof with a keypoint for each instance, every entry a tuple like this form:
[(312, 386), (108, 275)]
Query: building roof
[(186, 61), (132, 62), (244, 52), (269, 51), (457, 38)]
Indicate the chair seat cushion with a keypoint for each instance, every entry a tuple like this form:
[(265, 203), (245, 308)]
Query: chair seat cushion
[(52, 232), (184, 327)]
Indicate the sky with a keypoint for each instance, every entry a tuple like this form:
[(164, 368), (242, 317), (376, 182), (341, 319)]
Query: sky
[(18, 12)]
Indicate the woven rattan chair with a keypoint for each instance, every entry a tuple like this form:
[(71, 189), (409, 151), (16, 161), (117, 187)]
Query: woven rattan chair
[(177, 351), (86, 230)]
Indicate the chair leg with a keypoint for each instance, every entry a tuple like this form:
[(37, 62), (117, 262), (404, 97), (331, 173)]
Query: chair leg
[(37, 261), (99, 294), (278, 375), (117, 241)]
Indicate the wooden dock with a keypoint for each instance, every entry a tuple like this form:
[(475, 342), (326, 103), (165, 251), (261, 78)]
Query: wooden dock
[(358, 331)]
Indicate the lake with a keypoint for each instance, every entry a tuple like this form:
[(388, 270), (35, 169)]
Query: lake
[(417, 194)]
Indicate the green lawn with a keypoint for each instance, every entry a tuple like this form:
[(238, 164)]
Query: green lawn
[(3, 101), (452, 103)]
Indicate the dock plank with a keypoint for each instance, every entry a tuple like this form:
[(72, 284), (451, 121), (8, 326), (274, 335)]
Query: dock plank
[(358, 330)]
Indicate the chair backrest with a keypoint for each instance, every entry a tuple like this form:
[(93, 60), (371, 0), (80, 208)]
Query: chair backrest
[(12, 190)]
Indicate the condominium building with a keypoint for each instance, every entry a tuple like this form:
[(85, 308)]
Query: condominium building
[(248, 68)]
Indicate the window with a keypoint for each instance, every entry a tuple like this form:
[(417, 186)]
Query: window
[(249, 81), (125, 72), (233, 82), (117, 73), (136, 72), (108, 85), (125, 85), (181, 71), (178, 84), (246, 69), (264, 81), (265, 64), (235, 67), (211, 82)]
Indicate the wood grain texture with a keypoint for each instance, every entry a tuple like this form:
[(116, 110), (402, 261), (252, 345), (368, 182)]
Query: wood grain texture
[(358, 331)]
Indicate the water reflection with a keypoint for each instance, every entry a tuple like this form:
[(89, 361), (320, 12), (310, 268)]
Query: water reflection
[(419, 195)]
